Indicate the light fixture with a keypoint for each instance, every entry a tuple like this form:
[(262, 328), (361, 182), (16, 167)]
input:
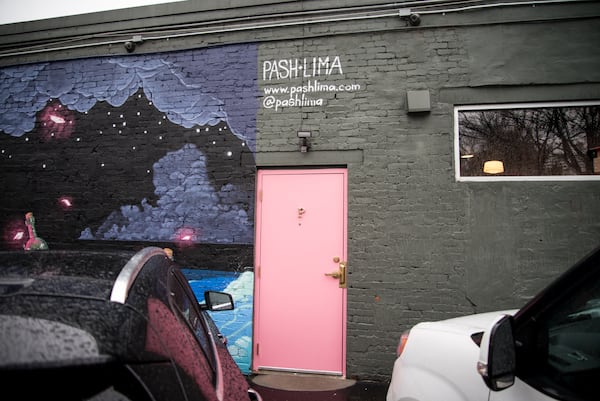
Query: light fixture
[(414, 19), (493, 167), (131, 44), (304, 144), (418, 101)]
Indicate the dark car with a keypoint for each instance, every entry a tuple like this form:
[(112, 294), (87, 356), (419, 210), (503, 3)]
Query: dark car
[(95, 325)]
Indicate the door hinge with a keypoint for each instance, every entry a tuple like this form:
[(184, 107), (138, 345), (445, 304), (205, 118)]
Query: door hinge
[(260, 195), (257, 349)]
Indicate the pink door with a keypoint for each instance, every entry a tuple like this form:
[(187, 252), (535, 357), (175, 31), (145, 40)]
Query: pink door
[(300, 312)]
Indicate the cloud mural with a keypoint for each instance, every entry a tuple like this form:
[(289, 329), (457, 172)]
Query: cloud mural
[(186, 206), (144, 147), (193, 88)]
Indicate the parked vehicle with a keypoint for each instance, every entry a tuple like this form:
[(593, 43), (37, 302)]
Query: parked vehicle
[(92, 325), (547, 350)]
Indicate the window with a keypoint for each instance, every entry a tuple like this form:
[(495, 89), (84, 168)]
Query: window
[(551, 141), (186, 304)]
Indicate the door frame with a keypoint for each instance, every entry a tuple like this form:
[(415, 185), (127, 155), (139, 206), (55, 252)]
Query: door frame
[(258, 245)]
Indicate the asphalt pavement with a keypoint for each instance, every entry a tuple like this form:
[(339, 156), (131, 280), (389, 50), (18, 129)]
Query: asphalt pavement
[(360, 391)]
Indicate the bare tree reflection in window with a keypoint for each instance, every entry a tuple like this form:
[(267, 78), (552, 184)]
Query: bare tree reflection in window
[(530, 141)]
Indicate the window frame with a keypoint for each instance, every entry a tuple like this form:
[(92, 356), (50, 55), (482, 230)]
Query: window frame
[(505, 106)]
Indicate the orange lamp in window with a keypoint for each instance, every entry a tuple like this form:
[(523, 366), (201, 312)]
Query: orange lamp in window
[(493, 167)]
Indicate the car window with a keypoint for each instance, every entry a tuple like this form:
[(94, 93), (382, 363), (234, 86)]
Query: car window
[(567, 359), (187, 306), (574, 344)]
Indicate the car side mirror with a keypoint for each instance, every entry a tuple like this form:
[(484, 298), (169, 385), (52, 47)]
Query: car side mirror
[(497, 358), (218, 301)]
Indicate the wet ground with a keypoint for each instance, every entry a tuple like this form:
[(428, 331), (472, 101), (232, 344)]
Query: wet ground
[(360, 391)]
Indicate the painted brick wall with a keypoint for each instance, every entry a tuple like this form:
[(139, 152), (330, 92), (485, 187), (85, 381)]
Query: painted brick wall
[(142, 148), (421, 245)]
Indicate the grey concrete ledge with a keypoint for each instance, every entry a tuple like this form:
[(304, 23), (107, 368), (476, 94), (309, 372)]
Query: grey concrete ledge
[(520, 93), (311, 158)]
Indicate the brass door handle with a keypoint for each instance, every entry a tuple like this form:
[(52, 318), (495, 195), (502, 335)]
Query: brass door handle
[(335, 274), (339, 274)]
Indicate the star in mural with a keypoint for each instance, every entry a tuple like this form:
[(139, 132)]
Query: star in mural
[(56, 122)]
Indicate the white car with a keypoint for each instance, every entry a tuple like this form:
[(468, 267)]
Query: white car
[(547, 350)]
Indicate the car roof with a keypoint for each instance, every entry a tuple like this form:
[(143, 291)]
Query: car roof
[(48, 272), (58, 305)]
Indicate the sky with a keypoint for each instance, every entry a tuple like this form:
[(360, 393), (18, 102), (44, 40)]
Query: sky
[(12, 11)]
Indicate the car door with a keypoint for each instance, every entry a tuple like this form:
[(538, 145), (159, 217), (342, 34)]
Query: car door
[(227, 383), (189, 344), (520, 391)]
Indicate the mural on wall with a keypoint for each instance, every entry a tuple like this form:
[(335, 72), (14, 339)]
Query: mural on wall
[(134, 148), (235, 325)]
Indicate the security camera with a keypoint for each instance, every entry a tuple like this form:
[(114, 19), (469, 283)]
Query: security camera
[(414, 19), (129, 46)]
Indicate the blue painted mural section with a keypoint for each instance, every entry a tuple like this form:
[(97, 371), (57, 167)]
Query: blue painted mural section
[(236, 325)]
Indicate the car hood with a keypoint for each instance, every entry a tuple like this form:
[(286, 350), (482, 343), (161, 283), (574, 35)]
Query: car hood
[(466, 324)]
